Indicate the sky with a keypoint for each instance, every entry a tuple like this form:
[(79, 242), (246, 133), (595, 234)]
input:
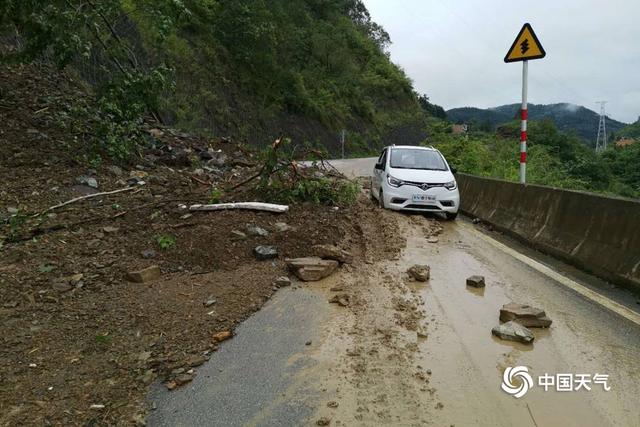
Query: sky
[(453, 51)]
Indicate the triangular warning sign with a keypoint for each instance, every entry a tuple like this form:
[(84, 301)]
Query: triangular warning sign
[(526, 46)]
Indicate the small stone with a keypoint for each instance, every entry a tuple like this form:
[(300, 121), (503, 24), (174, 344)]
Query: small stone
[(324, 421), (238, 235), (308, 343), (421, 273), (144, 356), (476, 281), (222, 336), (183, 379), (341, 299), (134, 180), (194, 361), (115, 170), (332, 404), (312, 269), (145, 275), (148, 253), (282, 227), (332, 252), (254, 230), (170, 385), (12, 210), (96, 406), (476, 220), (88, 181), (263, 253), (282, 282), (109, 229), (513, 331), (62, 286), (209, 301), (433, 240)]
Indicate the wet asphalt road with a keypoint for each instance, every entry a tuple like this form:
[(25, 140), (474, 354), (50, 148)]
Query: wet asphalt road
[(267, 376)]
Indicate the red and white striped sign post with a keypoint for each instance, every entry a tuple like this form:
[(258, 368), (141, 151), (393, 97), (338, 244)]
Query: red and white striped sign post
[(523, 126), (526, 46)]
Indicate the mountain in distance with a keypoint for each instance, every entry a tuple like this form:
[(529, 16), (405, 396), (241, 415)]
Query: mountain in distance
[(567, 117)]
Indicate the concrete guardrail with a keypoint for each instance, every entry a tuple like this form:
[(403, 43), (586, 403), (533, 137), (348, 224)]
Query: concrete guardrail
[(598, 234)]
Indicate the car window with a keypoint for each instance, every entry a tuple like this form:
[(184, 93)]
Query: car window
[(412, 158), (382, 160)]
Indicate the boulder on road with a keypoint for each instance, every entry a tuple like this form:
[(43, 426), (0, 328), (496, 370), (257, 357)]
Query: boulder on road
[(513, 331), (145, 275), (525, 315), (332, 252), (312, 269), (264, 253), (476, 281), (421, 273)]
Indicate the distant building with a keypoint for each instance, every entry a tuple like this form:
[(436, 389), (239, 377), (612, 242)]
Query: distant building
[(459, 129), (623, 142)]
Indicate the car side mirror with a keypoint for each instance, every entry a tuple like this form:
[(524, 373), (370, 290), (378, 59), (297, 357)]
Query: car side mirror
[(379, 166), (454, 171)]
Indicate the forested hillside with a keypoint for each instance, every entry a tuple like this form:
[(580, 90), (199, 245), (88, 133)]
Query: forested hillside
[(567, 118), (253, 69)]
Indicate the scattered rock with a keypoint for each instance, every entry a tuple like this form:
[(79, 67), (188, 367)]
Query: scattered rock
[(282, 227), (324, 421), (238, 235), (476, 281), (134, 180), (332, 404), (12, 210), (222, 336), (525, 315), (209, 301), (144, 356), (341, 299), (183, 379), (312, 269), (170, 385), (109, 229), (194, 361), (88, 181), (254, 230), (263, 253), (282, 282), (145, 275), (337, 288), (97, 406), (421, 273), (115, 170), (62, 286), (476, 220), (332, 252), (513, 331), (308, 343), (156, 133), (433, 239), (148, 253)]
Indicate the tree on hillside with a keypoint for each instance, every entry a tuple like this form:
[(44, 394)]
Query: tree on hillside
[(432, 110)]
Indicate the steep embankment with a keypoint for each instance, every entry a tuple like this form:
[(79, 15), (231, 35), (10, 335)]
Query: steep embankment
[(257, 69)]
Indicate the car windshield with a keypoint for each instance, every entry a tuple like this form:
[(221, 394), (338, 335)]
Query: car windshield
[(412, 158)]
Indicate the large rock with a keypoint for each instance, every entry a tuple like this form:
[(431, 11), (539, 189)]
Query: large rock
[(145, 275), (264, 253), (513, 331), (332, 252), (525, 315), (421, 273), (476, 281), (312, 269)]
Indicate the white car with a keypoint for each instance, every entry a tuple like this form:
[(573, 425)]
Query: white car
[(415, 179)]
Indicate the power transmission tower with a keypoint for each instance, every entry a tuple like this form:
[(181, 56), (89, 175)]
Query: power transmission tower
[(601, 141)]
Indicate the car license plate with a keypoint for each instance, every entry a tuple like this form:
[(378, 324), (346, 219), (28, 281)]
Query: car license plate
[(422, 198)]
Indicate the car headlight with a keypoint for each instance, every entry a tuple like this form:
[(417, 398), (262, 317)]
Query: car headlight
[(394, 182), (451, 185)]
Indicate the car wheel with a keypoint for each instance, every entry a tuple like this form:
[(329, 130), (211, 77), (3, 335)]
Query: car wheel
[(451, 216), (381, 200)]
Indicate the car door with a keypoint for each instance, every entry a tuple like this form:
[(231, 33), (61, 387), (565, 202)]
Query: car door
[(378, 173)]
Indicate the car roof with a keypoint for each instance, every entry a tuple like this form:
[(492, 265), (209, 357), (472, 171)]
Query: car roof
[(415, 147)]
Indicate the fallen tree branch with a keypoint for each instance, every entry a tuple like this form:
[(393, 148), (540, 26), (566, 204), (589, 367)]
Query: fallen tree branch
[(254, 206), (90, 196)]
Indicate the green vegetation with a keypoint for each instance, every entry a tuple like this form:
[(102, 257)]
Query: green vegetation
[(251, 68), (630, 131), (554, 158), (165, 241), (568, 118)]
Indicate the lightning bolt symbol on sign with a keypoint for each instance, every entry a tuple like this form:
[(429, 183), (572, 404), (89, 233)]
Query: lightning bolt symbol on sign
[(524, 46)]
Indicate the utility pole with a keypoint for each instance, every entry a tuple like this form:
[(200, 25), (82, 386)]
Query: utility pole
[(601, 140)]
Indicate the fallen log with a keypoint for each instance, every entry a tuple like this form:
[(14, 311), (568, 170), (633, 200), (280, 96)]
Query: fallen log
[(254, 206)]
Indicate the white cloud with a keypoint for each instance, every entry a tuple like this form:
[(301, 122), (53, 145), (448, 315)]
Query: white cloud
[(453, 51)]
